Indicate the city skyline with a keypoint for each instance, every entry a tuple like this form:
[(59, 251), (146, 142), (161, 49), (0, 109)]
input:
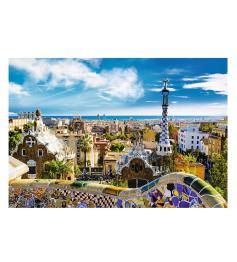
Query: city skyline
[(118, 86)]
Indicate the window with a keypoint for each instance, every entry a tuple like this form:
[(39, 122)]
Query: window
[(192, 142), (40, 152), (32, 170), (192, 137), (23, 152), (168, 148), (161, 148), (197, 137), (197, 142), (191, 147), (165, 149), (197, 147)]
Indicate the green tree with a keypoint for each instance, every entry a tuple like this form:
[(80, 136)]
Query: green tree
[(131, 136), (190, 158), (207, 127), (14, 138), (173, 157), (77, 171), (85, 145), (27, 127), (88, 162), (56, 169), (157, 137), (122, 136), (110, 137), (172, 130), (196, 153), (117, 147), (17, 129), (218, 172)]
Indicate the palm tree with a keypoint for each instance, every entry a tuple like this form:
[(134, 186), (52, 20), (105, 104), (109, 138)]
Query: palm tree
[(85, 145), (57, 169), (77, 171)]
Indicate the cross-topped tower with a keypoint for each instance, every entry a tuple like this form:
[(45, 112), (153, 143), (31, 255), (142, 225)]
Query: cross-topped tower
[(164, 147), (30, 142), (165, 81)]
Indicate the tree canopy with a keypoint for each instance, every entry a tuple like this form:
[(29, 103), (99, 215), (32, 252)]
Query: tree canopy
[(122, 136), (190, 158), (117, 147), (14, 138), (218, 172), (85, 145), (27, 127), (207, 127), (172, 131), (56, 169)]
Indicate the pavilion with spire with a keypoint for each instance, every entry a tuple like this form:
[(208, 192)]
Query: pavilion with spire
[(140, 166), (38, 146), (164, 147)]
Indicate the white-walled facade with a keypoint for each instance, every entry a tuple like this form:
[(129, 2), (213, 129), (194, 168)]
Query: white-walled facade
[(190, 138), (204, 146)]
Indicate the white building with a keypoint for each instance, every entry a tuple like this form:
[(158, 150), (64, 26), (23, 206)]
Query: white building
[(27, 115), (156, 128), (204, 146), (190, 138)]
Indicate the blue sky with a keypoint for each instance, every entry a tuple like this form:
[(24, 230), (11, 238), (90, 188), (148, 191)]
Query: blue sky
[(118, 86)]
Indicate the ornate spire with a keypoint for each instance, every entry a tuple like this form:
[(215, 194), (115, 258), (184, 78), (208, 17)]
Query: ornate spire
[(37, 112), (38, 122), (164, 147)]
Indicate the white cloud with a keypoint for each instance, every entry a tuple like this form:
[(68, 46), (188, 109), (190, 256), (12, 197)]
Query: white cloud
[(214, 82), (122, 83), (119, 83), (103, 97), (174, 102), (37, 68), (153, 101), (185, 97), (16, 89), (174, 71), (160, 89), (95, 62), (190, 78)]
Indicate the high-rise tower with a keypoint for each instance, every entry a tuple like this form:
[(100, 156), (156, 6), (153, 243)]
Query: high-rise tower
[(164, 147)]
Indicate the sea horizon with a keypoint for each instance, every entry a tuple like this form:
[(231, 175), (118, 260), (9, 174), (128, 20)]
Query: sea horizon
[(129, 117)]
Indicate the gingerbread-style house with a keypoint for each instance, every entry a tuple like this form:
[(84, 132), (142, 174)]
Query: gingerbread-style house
[(38, 146)]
